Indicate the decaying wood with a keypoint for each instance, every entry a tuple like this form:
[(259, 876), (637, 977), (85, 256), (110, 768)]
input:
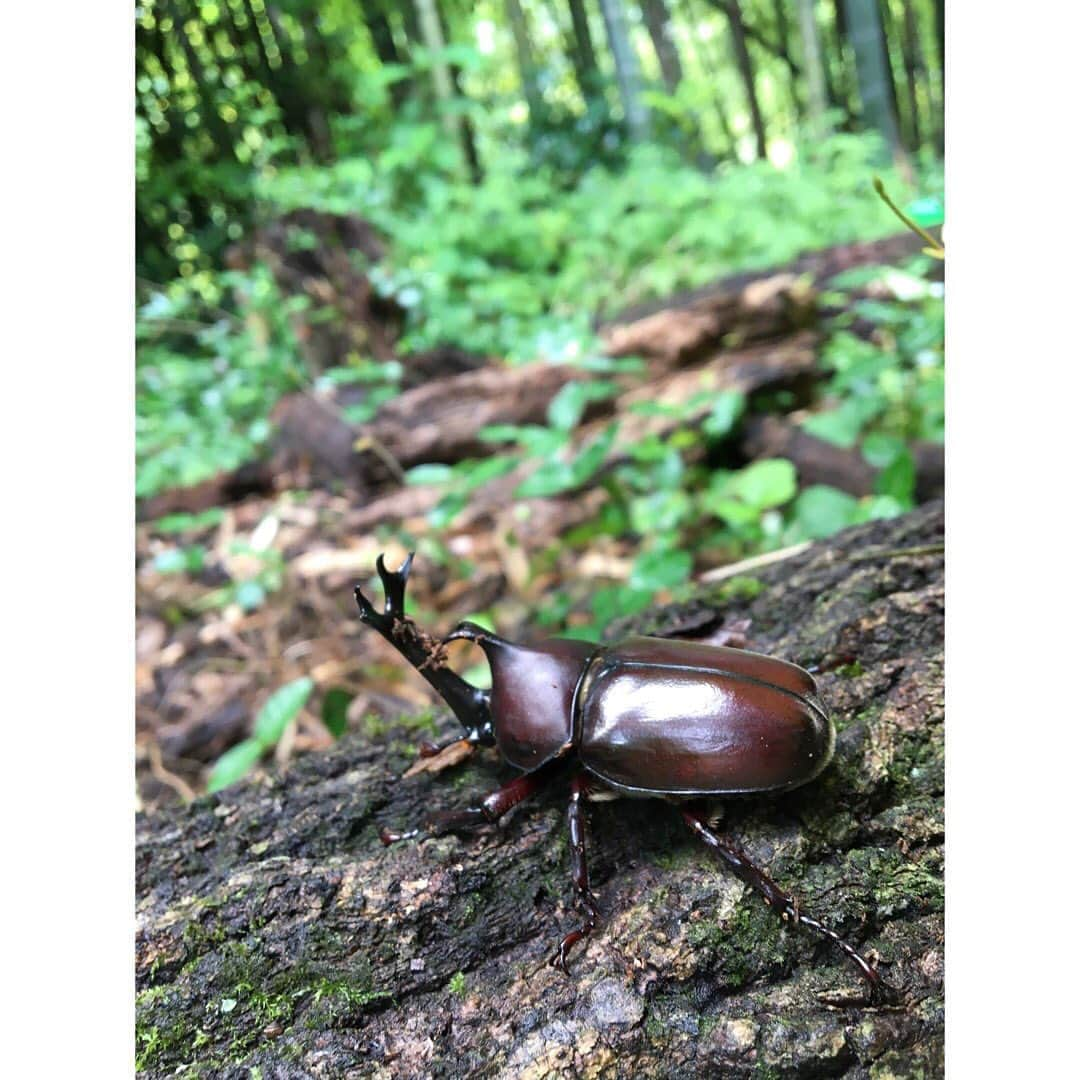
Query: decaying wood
[(820, 462), (277, 937), (252, 478), (323, 258), (763, 309), (535, 522), (449, 395), (743, 308), (440, 421)]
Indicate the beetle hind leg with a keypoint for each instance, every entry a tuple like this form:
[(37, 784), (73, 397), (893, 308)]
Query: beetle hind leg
[(785, 906), (580, 873)]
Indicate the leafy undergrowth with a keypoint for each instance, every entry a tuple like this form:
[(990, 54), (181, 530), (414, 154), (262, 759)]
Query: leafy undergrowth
[(515, 268), (249, 649)]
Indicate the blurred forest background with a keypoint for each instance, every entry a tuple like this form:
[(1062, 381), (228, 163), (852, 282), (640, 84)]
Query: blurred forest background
[(593, 303)]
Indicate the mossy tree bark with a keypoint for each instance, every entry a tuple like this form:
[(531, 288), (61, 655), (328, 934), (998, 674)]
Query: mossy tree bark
[(276, 933)]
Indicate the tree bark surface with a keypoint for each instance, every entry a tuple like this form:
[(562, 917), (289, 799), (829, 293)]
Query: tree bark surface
[(277, 937)]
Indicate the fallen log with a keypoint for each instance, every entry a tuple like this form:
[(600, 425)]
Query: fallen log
[(277, 936), (744, 370), (323, 258), (820, 462), (744, 308), (435, 419)]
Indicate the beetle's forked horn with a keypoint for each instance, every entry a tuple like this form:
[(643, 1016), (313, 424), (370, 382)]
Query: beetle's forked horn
[(470, 704), (393, 583)]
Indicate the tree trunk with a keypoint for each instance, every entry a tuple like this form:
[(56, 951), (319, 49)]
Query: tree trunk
[(212, 124), (582, 53), (705, 62), (746, 71), (276, 936), (466, 133), (658, 23), (430, 25), (812, 64), (939, 38), (864, 31), (627, 69), (845, 93), (914, 68), (526, 58), (382, 39), (889, 41)]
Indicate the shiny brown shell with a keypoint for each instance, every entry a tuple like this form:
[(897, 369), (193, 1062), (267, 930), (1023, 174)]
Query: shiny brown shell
[(666, 717)]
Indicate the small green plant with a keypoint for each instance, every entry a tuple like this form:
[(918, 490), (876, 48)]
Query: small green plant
[(206, 378), (929, 209), (280, 710), (456, 985)]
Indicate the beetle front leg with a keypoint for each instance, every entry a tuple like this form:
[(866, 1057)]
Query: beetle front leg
[(785, 906), (579, 870), (469, 703), (501, 801)]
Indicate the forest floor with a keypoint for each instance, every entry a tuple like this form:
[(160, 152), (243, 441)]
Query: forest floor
[(208, 655)]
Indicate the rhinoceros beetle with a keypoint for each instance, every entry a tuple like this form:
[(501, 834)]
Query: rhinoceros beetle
[(654, 717)]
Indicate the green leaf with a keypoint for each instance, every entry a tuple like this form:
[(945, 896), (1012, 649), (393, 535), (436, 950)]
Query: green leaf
[(176, 523), (876, 507), (170, 561), (497, 433), (653, 408), (840, 426), (897, 479), (725, 413), (250, 595), (539, 441), (660, 511), (281, 708), (593, 456), (430, 474), (651, 448), (446, 509), (478, 473), (234, 764), (821, 511), (567, 406), (882, 450), (927, 211), (549, 479), (763, 484), (653, 570), (732, 511), (627, 365), (188, 560), (335, 708), (612, 601)]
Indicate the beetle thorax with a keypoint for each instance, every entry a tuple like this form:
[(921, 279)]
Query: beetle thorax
[(532, 696)]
